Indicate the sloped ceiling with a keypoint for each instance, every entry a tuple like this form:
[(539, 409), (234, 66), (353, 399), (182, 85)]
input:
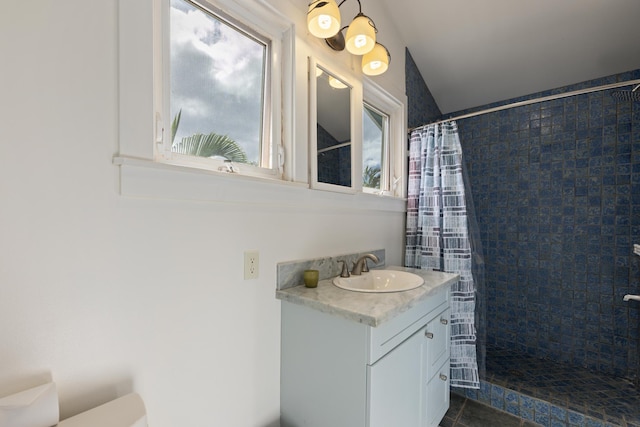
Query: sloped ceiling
[(474, 52)]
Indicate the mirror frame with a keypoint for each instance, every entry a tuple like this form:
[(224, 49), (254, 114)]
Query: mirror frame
[(356, 111)]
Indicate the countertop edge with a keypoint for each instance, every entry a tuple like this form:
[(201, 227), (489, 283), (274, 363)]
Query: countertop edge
[(325, 308), (371, 309)]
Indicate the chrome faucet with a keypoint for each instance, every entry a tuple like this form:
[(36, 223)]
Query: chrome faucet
[(361, 265)]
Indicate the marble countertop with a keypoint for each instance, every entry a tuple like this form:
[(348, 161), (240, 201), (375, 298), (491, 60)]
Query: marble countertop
[(371, 309)]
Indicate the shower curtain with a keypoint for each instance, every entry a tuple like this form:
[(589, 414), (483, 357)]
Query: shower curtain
[(442, 234)]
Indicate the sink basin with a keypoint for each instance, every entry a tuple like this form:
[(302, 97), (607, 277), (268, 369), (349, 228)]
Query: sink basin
[(380, 281)]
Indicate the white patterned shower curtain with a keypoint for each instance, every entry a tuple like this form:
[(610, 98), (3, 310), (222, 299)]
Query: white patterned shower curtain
[(438, 236)]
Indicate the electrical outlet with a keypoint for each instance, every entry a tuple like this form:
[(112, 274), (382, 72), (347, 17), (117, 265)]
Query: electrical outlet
[(251, 265)]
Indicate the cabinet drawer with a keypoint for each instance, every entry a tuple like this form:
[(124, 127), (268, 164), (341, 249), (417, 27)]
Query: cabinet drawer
[(437, 397), (437, 334), (388, 335)]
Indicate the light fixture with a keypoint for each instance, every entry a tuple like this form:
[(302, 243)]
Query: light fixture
[(361, 35), (376, 62), (323, 20)]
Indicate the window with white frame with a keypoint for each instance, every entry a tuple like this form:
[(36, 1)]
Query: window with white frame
[(383, 142), (375, 148), (221, 90)]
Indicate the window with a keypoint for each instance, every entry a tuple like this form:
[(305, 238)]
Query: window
[(221, 84), (375, 137), (383, 142), (218, 87)]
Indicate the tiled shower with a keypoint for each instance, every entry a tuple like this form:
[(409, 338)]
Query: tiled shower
[(556, 187)]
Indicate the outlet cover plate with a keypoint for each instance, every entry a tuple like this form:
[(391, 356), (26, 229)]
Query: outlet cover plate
[(251, 265)]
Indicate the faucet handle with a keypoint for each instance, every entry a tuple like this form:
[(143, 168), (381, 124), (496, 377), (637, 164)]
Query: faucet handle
[(365, 266), (345, 269)]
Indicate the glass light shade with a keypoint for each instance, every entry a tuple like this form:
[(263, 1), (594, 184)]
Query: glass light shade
[(361, 35), (375, 62), (323, 21)]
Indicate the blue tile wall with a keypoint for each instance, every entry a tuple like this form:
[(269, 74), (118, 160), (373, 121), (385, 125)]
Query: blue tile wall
[(422, 108), (556, 187), (334, 166), (325, 139)]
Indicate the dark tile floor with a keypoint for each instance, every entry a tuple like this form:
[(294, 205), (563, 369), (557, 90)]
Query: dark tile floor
[(465, 412), (611, 399)]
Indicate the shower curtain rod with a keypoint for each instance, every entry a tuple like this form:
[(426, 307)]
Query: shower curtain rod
[(533, 101)]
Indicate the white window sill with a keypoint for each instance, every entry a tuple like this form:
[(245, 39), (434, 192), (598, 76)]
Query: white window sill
[(148, 179)]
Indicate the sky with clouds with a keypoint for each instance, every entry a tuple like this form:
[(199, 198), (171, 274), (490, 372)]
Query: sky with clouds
[(216, 78), (371, 142)]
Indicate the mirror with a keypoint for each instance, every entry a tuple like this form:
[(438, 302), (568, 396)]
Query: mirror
[(333, 129)]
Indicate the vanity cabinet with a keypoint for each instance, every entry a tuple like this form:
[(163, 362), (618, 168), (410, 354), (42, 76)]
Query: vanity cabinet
[(341, 373)]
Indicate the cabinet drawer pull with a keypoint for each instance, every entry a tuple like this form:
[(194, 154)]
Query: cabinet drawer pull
[(444, 321), (429, 335), (443, 377)]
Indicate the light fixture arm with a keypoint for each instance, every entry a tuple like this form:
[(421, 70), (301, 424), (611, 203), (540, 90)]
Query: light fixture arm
[(320, 3), (385, 48), (323, 3), (359, 14), (359, 5)]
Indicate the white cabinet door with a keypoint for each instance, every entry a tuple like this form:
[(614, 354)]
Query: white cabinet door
[(396, 385), (437, 397)]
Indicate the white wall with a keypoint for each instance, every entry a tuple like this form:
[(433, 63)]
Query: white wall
[(107, 294)]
